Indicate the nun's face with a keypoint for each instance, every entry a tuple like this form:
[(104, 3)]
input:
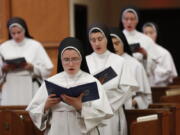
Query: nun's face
[(71, 61), (98, 42), (118, 46), (129, 21), (17, 33), (151, 32)]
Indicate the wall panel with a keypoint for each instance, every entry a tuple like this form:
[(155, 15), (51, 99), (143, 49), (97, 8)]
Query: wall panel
[(47, 20), (4, 15)]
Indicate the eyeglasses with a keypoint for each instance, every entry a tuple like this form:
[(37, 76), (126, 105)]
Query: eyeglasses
[(74, 60)]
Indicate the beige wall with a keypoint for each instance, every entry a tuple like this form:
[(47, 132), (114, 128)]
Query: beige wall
[(108, 11), (50, 21), (117, 5), (47, 20), (97, 11)]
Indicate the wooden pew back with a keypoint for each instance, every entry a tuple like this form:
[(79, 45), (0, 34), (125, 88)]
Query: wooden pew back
[(158, 92), (146, 128), (164, 116), (175, 120), (16, 122), (170, 99)]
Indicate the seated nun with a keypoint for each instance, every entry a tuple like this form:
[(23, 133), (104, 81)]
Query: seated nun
[(142, 98), (68, 115)]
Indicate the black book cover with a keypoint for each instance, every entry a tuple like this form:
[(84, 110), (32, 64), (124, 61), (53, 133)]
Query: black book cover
[(90, 90), (134, 47), (106, 75), (15, 61)]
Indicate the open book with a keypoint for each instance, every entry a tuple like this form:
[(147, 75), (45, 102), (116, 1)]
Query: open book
[(15, 61), (106, 75), (134, 47), (90, 90)]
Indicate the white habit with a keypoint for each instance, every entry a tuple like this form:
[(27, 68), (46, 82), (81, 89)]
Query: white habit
[(165, 69), (119, 89), (63, 118), (143, 95), (147, 43), (18, 86)]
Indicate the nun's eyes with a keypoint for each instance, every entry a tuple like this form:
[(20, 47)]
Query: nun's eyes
[(73, 60), (97, 39), (117, 43), (14, 33)]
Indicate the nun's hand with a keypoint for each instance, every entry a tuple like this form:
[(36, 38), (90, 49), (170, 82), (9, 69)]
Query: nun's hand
[(143, 52), (28, 66), (76, 102), (51, 101), (8, 67), (134, 102)]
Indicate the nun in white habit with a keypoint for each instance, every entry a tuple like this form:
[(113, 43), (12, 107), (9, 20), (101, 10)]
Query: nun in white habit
[(165, 70), (18, 86), (142, 98), (71, 117), (147, 54), (119, 89)]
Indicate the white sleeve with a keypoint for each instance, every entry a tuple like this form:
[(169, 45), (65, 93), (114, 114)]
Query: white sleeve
[(143, 101), (2, 75), (42, 64), (93, 113), (164, 70), (36, 108), (127, 86)]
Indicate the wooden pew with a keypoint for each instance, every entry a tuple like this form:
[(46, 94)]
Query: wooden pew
[(175, 120), (158, 92), (176, 81), (164, 116), (170, 99), (152, 127), (12, 107), (14, 120)]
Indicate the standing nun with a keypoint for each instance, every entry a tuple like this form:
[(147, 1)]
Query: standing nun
[(142, 98), (146, 54), (18, 86), (71, 117), (165, 70), (118, 89)]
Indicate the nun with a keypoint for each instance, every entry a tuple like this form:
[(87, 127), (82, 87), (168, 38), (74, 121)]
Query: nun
[(72, 116), (120, 88), (146, 53), (165, 70), (142, 98), (18, 86)]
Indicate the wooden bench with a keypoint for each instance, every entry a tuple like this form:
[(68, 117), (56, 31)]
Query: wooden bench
[(176, 81), (152, 127), (175, 120), (170, 99), (164, 116), (158, 92), (13, 107), (14, 120)]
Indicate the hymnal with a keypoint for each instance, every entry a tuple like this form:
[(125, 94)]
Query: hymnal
[(147, 118), (106, 75), (90, 90), (15, 61), (134, 47)]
